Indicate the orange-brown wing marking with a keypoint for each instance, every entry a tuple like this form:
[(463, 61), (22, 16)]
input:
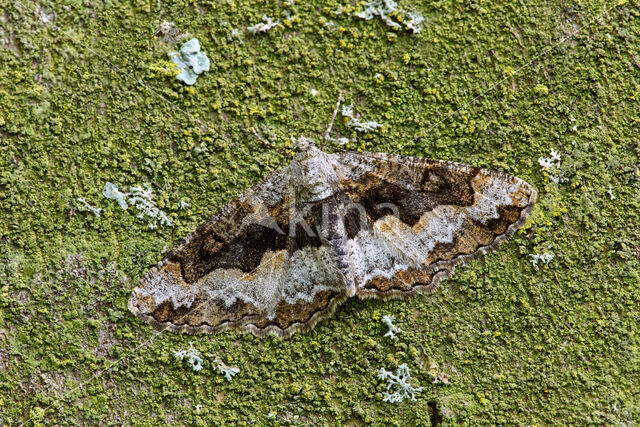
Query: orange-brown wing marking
[(424, 217)]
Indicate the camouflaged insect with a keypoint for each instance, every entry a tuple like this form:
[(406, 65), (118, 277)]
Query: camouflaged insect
[(282, 255)]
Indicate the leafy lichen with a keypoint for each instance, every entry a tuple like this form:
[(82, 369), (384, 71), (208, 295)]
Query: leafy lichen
[(191, 61)]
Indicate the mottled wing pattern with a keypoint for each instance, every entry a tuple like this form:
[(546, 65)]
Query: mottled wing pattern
[(422, 217), (242, 270), (284, 253)]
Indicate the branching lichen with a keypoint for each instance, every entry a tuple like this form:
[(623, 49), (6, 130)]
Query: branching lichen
[(551, 165), (393, 329), (545, 257), (228, 371), (264, 26), (86, 206), (141, 199), (192, 355), (385, 8), (399, 387), (354, 122)]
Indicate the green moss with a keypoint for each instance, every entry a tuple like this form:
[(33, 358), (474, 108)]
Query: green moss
[(86, 97)]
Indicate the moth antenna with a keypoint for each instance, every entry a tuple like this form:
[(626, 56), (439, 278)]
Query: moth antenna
[(333, 118)]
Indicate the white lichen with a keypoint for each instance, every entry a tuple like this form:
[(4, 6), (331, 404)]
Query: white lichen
[(110, 191), (314, 92), (184, 204), (228, 371), (393, 329), (340, 141), (192, 355), (87, 207), (264, 26), (195, 360), (347, 111), (414, 22), (381, 8), (141, 199), (198, 407), (610, 193), (364, 126), (399, 387), (191, 61), (384, 8), (235, 33), (551, 165), (544, 257)]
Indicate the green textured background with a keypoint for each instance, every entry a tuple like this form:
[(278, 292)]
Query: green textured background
[(85, 98)]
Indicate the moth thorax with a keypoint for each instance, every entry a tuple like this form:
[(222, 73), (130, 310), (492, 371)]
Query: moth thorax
[(314, 177)]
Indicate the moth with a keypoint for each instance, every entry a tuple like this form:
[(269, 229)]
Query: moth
[(329, 226)]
